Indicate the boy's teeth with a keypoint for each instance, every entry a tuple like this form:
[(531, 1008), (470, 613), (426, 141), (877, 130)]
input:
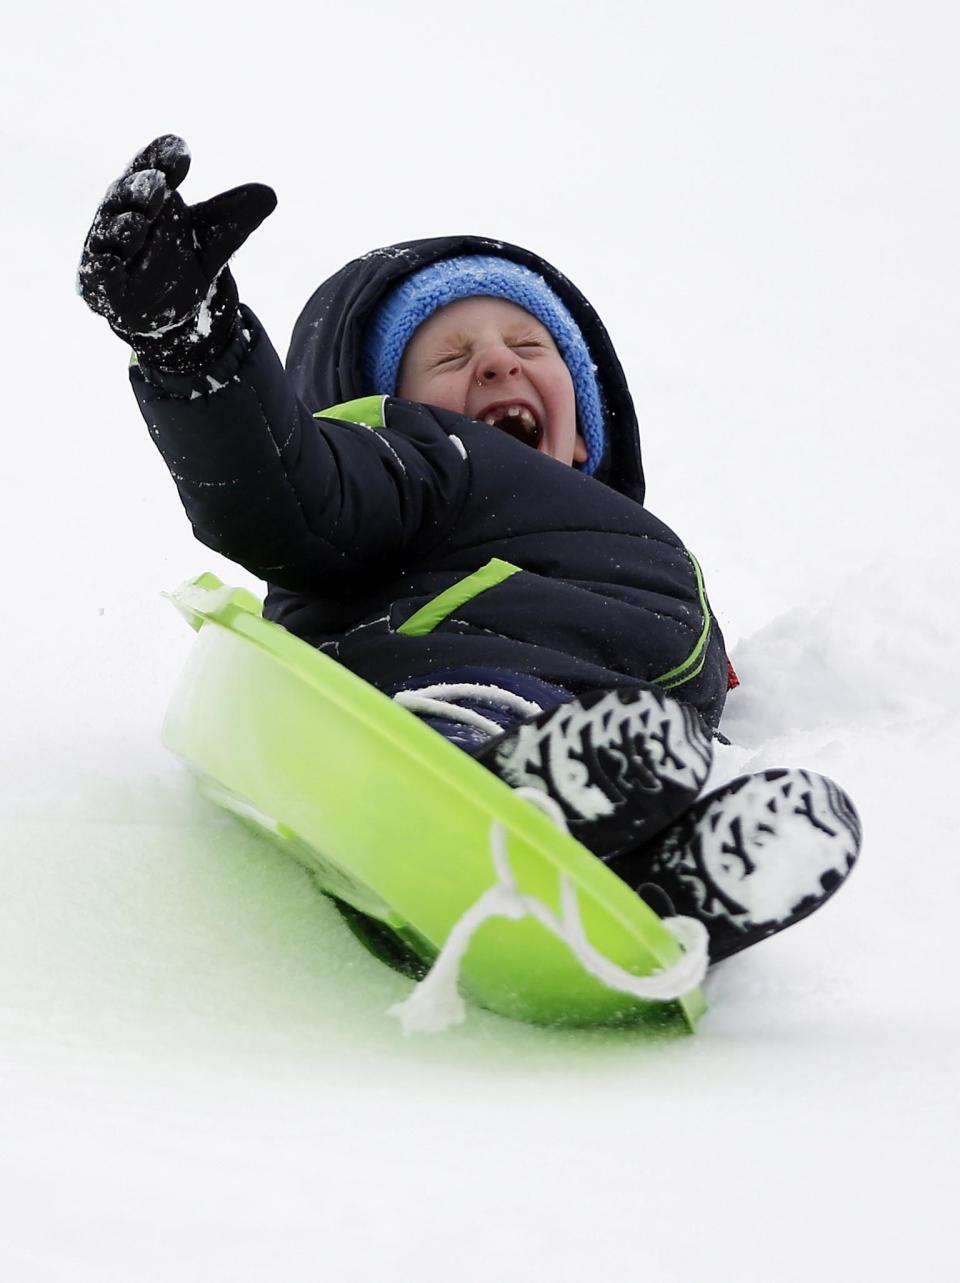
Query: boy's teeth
[(523, 423), (511, 412)]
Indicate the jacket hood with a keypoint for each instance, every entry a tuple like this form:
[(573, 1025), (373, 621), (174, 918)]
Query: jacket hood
[(324, 360)]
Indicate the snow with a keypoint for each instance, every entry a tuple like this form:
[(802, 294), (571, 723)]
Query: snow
[(200, 1080)]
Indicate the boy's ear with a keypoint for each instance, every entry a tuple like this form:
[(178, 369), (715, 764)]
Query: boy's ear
[(580, 450)]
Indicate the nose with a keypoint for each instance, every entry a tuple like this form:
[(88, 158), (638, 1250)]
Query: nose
[(496, 362)]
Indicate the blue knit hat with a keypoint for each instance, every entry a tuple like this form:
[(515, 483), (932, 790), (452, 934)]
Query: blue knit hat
[(418, 296)]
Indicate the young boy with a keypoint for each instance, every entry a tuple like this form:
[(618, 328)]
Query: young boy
[(444, 492)]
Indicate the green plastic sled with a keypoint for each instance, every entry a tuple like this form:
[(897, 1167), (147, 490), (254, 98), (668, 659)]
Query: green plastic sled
[(394, 822)]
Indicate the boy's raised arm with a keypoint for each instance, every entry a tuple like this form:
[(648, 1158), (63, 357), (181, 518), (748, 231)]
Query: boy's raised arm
[(262, 482)]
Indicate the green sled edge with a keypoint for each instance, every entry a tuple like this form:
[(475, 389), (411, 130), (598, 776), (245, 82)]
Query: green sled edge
[(394, 822)]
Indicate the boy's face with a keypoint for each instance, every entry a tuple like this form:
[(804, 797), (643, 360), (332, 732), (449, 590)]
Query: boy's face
[(491, 360)]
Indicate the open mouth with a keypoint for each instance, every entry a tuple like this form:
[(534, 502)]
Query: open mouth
[(516, 419)]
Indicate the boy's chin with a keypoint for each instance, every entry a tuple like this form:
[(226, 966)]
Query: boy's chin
[(561, 456), (562, 452)]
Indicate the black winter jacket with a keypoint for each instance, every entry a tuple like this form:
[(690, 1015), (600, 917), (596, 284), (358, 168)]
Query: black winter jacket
[(405, 539)]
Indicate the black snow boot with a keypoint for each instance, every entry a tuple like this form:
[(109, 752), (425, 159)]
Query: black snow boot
[(622, 764), (751, 858)]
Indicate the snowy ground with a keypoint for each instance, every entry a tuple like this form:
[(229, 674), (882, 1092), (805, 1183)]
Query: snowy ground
[(197, 1078)]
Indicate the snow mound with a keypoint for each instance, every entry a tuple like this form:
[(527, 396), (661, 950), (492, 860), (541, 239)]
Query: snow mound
[(870, 656)]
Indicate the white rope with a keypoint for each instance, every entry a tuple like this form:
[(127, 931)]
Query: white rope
[(437, 701), (435, 1003), (477, 690), (417, 703)]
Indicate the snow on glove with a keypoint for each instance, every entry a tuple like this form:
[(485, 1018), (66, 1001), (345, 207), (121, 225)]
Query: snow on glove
[(156, 267)]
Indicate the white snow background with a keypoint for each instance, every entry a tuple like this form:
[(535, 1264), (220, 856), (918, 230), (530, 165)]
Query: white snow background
[(198, 1080)]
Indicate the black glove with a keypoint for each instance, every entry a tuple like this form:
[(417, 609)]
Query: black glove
[(156, 267)]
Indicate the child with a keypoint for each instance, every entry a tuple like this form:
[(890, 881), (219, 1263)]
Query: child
[(444, 492)]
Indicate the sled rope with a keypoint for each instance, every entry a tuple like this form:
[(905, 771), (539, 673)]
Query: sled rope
[(437, 700), (435, 1003)]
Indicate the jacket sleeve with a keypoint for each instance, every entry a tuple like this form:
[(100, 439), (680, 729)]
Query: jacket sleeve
[(306, 503)]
